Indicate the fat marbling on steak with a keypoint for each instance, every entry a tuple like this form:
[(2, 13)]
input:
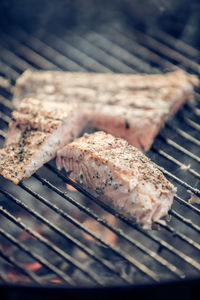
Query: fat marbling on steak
[(120, 174), (36, 131), (108, 94)]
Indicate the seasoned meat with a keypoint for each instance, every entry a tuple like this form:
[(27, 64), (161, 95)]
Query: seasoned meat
[(138, 126), (120, 174), (142, 91), (143, 100), (37, 130)]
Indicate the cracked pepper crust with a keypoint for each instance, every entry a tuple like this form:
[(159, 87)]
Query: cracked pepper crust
[(36, 131), (120, 174)]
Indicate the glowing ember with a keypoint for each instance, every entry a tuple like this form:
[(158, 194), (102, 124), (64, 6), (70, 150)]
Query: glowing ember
[(5, 249), (70, 187), (32, 266), (55, 280), (23, 236), (100, 230), (16, 277), (13, 277)]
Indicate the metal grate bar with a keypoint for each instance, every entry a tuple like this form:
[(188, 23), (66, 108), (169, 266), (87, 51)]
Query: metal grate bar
[(67, 236), (5, 84), (2, 134), (137, 48), (8, 104), (38, 258), (181, 236), (184, 134), (197, 111), (12, 74), (180, 148), (177, 162), (197, 95), (194, 110), (4, 278), (183, 183), (29, 54), (179, 253), (50, 53), (103, 222), (185, 220), (13, 262), (69, 50), (4, 118), (11, 58), (176, 43), (119, 52), (104, 55), (131, 40), (188, 205), (165, 50), (192, 123), (112, 64)]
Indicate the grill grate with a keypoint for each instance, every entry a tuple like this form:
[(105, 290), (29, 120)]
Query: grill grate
[(45, 237)]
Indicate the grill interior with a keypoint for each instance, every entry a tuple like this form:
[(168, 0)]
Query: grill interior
[(55, 236)]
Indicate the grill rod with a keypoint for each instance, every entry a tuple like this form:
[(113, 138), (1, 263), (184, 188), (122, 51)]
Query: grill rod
[(175, 161), (179, 45), (38, 258), (165, 50), (25, 272), (142, 44)]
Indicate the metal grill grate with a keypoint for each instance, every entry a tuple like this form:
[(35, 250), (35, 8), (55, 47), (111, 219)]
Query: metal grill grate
[(51, 235)]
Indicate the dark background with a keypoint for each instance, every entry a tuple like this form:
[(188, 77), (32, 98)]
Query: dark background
[(181, 18)]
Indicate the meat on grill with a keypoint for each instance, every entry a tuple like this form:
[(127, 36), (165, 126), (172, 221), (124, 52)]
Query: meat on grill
[(123, 89), (37, 130), (138, 126), (143, 100), (120, 174)]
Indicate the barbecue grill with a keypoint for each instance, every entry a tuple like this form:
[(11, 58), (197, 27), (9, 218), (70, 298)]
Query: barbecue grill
[(54, 234)]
